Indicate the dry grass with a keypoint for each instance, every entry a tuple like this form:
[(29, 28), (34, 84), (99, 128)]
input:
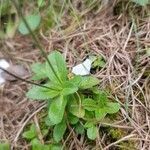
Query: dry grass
[(126, 75)]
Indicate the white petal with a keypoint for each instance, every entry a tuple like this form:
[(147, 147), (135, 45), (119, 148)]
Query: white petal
[(87, 64), (82, 69), (3, 64)]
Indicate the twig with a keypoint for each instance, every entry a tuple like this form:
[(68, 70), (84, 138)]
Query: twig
[(120, 140), (22, 127), (38, 129)]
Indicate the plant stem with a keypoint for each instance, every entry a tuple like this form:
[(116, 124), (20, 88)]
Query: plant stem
[(80, 102), (35, 38), (27, 81)]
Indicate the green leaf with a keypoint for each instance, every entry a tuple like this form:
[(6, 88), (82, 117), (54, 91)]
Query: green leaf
[(39, 71), (45, 132), (45, 147), (41, 93), (56, 109), (100, 113), (4, 146), (76, 80), (79, 112), (88, 82), (112, 108), (89, 104), (105, 106), (79, 128), (93, 58), (59, 131), (89, 115), (88, 124), (31, 133), (36, 145), (142, 2), (68, 88), (99, 62), (72, 119), (55, 147), (101, 98), (59, 66), (92, 132), (40, 3), (33, 22), (48, 122), (75, 108), (95, 90)]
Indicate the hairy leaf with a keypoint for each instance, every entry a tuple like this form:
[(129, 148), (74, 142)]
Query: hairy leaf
[(59, 71), (112, 107), (76, 80), (55, 147), (101, 98), (68, 88), (92, 132), (42, 93), (36, 145), (88, 82), (41, 3), (59, 131), (56, 109), (98, 62), (39, 71), (89, 104), (4, 146), (75, 108), (79, 128), (48, 122), (33, 22), (88, 124), (31, 133), (142, 2), (72, 119), (100, 113), (89, 114)]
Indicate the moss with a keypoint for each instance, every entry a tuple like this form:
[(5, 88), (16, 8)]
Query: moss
[(127, 145), (117, 133), (129, 7)]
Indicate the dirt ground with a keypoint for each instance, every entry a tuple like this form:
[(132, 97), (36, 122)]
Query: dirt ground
[(122, 42)]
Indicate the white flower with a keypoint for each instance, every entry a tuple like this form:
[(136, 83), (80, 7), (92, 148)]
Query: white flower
[(83, 68)]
